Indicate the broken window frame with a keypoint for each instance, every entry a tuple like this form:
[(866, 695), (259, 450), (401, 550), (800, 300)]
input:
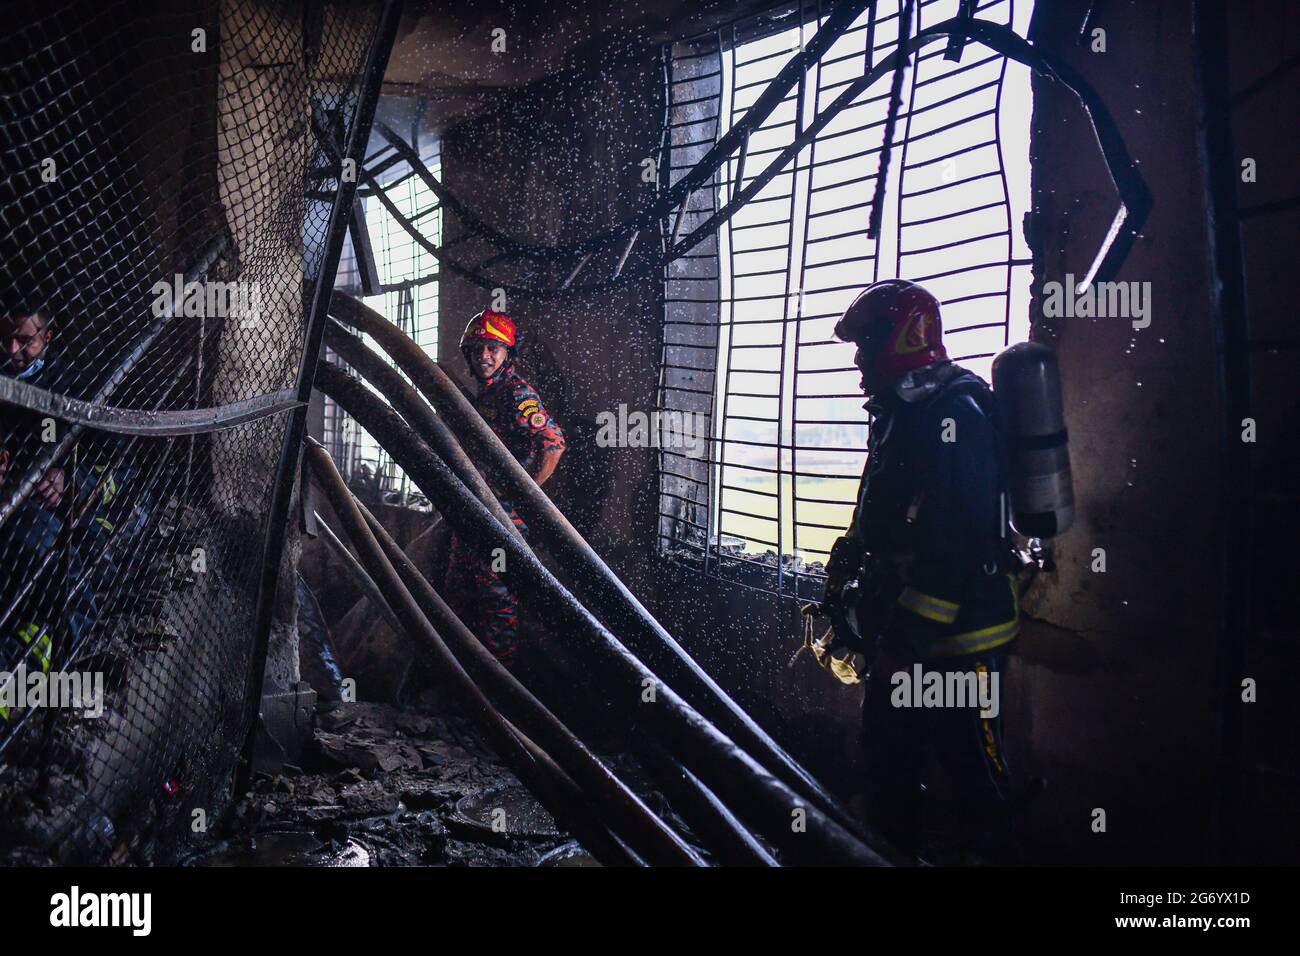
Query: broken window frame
[(697, 495)]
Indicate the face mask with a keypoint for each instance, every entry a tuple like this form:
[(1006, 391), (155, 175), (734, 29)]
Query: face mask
[(31, 370)]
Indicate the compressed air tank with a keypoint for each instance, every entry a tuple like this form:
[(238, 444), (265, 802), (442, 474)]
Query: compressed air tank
[(1027, 383)]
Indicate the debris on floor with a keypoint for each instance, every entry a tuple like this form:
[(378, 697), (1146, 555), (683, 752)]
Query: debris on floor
[(383, 786)]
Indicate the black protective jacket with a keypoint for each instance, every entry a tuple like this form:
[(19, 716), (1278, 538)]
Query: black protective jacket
[(932, 513)]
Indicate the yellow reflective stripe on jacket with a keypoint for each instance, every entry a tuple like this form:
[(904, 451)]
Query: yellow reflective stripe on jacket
[(110, 486), (29, 633), (928, 606), (972, 642)]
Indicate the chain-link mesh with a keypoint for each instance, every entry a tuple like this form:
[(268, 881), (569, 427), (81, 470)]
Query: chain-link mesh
[(164, 200)]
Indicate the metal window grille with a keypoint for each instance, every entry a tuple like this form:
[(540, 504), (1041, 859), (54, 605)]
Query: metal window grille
[(749, 313), (409, 275)]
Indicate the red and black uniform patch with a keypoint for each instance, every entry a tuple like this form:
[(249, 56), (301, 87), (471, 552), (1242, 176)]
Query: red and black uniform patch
[(514, 411)]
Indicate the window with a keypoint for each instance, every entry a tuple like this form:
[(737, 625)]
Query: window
[(408, 274), (749, 313)]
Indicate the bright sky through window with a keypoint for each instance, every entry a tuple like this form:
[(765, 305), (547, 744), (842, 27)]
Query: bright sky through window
[(412, 306)]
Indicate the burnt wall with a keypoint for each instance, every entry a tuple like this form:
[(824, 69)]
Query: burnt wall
[(554, 163), (1124, 671), (1263, 48), (1119, 682)]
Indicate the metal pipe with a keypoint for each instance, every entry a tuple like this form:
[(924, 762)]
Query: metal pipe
[(145, 421), (1135, 198), (647, 636), (500, 735), (891, 120), (619, 808), (715, 825), (576, 269), (359, 574), (604, 845), (836, 24), (417, 412), (766, 802), (627, 251), (677, 220), (740, 166)]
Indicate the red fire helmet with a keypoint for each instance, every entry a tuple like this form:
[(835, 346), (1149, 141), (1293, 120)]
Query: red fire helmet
[(489, 326), (899, 322)]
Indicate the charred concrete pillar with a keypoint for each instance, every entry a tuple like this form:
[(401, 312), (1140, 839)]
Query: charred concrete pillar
[(263, 143)]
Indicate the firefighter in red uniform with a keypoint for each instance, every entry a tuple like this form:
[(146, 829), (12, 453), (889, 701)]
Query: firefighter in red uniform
[(923, 573), (514, 410)]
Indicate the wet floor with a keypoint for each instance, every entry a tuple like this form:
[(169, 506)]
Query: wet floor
[(285, 848)]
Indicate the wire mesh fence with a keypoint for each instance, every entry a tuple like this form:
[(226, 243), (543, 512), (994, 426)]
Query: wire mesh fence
[(164, 201)]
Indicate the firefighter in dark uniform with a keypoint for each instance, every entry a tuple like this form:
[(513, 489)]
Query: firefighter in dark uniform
[(514, 410), (31, 356), (65, 588), (923, 574)]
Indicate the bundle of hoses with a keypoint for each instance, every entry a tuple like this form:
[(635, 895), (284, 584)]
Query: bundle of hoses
[(736, 788)]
